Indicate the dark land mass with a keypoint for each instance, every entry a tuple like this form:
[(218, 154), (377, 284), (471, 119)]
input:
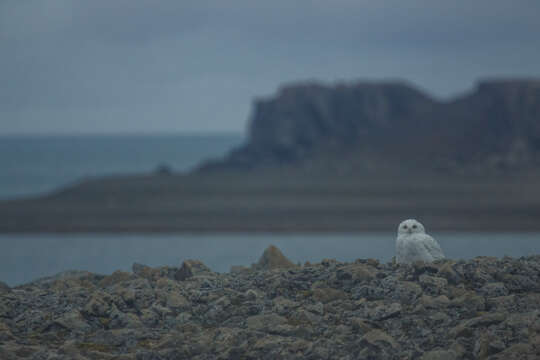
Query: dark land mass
[(349, 157)]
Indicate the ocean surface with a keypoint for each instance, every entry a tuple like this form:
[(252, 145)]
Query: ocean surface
[(26, 257), (31, 165), (36, 165)]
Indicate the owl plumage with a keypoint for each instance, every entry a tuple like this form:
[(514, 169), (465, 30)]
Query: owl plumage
[(413, 244)]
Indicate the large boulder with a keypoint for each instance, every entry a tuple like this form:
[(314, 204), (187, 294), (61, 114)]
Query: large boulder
[(191, 268), (273, 258)]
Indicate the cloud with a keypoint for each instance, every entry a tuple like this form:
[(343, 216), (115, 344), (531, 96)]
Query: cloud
[(182, 65)]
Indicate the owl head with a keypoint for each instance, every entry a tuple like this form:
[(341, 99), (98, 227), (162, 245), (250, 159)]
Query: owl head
[(410, 226)]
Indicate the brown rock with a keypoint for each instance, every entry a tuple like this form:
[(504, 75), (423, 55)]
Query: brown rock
[(73, 321), (379, 338), (447, 271), (5, 333), (191, 268), (115, 278), (273, 258), (326, 295), (359, 325), (259, 322), (356, 273)]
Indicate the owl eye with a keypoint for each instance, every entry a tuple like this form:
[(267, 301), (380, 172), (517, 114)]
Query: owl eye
[(404, 226), (414, 226)]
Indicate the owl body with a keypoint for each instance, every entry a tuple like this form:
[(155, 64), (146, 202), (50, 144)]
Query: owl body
[(413, 244)]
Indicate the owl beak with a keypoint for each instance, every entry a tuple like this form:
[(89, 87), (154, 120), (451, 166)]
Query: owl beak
[(409, 230)]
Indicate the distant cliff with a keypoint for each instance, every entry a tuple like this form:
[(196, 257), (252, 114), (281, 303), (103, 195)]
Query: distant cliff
[(374, 126)]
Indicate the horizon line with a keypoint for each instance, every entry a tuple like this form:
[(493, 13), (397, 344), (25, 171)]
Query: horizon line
[(118, 133)]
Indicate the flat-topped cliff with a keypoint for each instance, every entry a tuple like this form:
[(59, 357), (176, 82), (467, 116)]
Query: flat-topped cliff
[(372, 126)]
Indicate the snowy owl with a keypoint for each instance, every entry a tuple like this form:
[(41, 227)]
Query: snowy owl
[(413, 244)]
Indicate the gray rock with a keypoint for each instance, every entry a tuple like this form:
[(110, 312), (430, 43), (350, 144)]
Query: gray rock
[(494, 290), (138, 269), (73, 321), (191, 268), (440, 355), (308, 312), (303, 121), (268, 322), (379, 338), (4, 288), (433, 285)]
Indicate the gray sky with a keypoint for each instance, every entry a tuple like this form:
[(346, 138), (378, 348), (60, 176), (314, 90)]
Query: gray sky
[(180, 65)]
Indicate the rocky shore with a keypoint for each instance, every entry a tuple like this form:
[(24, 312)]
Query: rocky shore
[(485, 308)]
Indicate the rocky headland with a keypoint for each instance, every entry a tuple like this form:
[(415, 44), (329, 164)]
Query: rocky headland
[(378, 127), (338, 158), (485, 308)]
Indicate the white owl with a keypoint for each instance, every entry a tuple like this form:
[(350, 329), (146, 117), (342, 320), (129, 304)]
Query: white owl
[(413, 244)]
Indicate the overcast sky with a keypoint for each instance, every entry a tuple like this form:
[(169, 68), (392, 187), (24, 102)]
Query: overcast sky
[(92, 66)]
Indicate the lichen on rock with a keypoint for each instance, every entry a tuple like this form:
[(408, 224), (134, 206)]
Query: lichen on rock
[(447, 310)]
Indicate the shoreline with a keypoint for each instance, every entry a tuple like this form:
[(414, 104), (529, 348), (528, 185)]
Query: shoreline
[(276, 202)]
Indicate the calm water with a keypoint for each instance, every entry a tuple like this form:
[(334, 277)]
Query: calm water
[(26, 257), (31, 165)]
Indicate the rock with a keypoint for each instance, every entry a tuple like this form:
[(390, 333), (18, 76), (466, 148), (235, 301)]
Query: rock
[(383, 312), (251, 295), (494, 290), (191, 268), (326, 295), (120, 320), (73, 321), (405, 291), (115, 278), (430, 302), (153, 274), (440, 355), (517, 352), (302, 317), (268, 322), (469, 303), (310, 126), (273, 258), (282, 305), (447, 271), (356, 273), (370, 292), (359, 325), (433, 285), (466, 327), (308, 312), (99, 305), (177, 302), (520, 283), (502, 303), (138, 269), (5, 333), (4, 288), (379, 338), (486, 320)]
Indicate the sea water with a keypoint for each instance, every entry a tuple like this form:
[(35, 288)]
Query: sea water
[(31, 165), (27, 257), (36, 165)]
